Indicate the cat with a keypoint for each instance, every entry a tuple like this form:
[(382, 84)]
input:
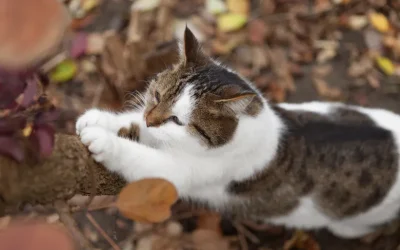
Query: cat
[(212, 134)]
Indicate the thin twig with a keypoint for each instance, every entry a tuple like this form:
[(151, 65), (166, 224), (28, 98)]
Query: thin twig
[(101, 231), (246, 233), (69, 222)]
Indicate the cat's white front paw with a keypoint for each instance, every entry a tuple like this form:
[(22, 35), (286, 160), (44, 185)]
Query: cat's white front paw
[(100, 143), (94, 117)]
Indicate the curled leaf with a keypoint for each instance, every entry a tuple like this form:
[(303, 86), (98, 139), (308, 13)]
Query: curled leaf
[(43, 139), (64, 71), (231, 22), (147, 200), (385, 65)]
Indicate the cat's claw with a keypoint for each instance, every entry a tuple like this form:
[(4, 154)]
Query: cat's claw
[(93, 117), (99, 142)]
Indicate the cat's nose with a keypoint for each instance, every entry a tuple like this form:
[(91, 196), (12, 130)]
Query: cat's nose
[(151, 122)]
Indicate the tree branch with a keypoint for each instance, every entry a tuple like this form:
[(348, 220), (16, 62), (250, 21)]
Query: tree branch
[(68, 171)]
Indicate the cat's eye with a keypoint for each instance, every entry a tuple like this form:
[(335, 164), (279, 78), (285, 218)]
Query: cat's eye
[(175, 120), (157, 96)]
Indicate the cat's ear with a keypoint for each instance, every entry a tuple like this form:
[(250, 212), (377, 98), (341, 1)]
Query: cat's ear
[(192, 52), (236, 98)]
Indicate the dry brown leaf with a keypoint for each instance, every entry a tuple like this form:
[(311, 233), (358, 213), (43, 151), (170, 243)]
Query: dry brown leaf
[(210, 221), (205, 239), (257, 31), (324, 90), (301, 240), (276, 92), (147, 200)]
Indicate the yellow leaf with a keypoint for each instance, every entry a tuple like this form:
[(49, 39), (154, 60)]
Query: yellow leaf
[(385, 65), (239, 6), (147, 200), (88, 5), (64, 71), (231, 22), (379, 21), (27, 130)]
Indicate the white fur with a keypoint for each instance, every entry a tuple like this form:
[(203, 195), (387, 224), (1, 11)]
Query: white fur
[(170, 152)]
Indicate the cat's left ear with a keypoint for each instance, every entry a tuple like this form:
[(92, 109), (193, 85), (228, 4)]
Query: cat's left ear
[(236, 98), (192, 51)]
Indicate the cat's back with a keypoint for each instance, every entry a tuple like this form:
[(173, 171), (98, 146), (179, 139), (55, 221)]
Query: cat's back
[(349, 153)]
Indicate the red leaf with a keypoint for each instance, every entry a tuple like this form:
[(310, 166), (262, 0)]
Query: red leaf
[(29, 92), (10, 147), (43, 139), (10, 125)]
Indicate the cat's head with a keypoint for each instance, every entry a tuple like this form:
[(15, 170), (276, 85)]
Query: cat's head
[(198, 100)]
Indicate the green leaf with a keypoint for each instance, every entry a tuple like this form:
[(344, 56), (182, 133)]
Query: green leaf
[(64, 71), (385, 65)]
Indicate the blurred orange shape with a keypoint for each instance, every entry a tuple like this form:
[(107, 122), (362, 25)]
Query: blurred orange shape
[(30, 30)]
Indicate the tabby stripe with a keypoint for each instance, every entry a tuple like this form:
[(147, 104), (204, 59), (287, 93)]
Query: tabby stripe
[(203, 133)]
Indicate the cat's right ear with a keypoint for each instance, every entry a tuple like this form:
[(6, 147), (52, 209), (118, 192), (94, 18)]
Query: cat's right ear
[(191, 51)]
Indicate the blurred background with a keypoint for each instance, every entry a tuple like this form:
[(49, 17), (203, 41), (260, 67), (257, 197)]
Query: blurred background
[(93, 53)]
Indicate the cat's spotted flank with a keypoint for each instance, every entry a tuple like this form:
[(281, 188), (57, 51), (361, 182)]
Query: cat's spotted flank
[(222, 144)]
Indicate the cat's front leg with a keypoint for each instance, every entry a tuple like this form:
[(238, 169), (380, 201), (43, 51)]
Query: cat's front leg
[(108, 120), (133, 160)]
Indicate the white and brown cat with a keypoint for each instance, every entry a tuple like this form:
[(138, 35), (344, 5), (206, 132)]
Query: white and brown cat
[(212, 134)]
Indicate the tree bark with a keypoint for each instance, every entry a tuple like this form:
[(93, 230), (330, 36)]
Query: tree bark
[(68, 171)]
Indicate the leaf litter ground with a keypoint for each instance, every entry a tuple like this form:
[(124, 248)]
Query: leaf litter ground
[(293, 50)]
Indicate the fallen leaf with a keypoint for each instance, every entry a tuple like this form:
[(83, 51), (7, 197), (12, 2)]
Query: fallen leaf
[(145, 5), (147, 200), (174, 228), (205, 239), (257, 31), (95, 44), (385, 64), (64, 71), (373, 81), (210, 221), (276, 92), (43, 139), (215, 6), (88, 5), (301, 240), (379, 21), (231, 22), (324, 90), (325, 55), (357, 22), (239, 6)]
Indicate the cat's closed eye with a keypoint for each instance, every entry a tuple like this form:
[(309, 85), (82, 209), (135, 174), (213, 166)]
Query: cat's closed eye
[(176, 120)]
